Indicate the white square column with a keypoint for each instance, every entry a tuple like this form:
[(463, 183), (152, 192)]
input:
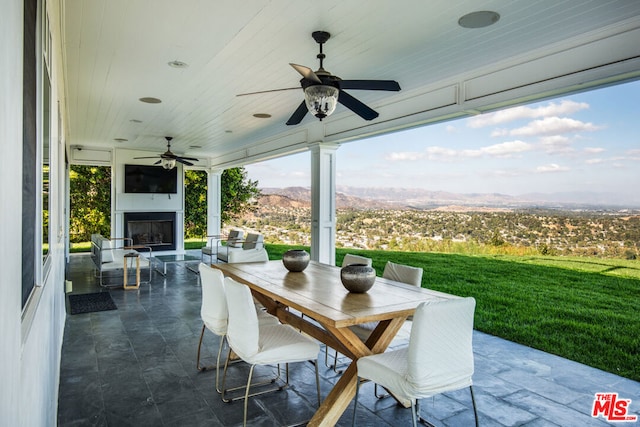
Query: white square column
[(323, 203), (214, 201)]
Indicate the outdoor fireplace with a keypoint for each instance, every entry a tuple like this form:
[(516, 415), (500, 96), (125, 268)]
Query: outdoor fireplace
[(154, 229)]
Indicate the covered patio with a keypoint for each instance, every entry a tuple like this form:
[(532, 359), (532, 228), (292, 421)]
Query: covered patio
[(104, 82), (135, 366)]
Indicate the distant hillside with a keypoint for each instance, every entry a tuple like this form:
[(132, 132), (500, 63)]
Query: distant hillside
[(295, 197), (412, 198)]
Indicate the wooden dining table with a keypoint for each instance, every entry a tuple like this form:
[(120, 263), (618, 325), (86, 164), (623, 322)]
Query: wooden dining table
[(316, 302)]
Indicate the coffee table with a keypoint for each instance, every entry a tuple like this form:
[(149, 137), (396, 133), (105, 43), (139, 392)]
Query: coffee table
[(174, 259)]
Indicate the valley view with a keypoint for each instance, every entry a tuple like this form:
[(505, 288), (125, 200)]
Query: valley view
[(417, 220)]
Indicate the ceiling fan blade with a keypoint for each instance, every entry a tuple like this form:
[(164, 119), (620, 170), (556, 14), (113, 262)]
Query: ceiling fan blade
[(184, 162), (306, 72), (298, 115), (268, 91), (158, 162), (390, 85), (186, 158), (356, 106)]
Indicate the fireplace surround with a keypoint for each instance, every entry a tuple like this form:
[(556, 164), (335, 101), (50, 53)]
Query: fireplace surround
[(154, 229)]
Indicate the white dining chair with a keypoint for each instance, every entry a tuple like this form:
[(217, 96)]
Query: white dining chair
[(438, 359), (399, 273), (355, 259), (215, 315), (347, 260), (259, 344), (403, 273)]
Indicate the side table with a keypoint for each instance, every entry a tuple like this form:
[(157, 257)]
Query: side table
[(129, 257)]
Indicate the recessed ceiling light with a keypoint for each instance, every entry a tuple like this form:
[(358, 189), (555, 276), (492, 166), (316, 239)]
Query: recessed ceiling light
[(178, 64), (479, 19), (262, 115), (228, 131), (120, 139), (150, 100), (193, 147), (135, 121)]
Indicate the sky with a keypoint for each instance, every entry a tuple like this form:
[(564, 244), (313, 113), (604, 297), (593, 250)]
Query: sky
[(586, 142)]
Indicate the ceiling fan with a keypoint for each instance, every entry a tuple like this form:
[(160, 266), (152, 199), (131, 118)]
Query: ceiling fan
[(322, 90), (168, 159)]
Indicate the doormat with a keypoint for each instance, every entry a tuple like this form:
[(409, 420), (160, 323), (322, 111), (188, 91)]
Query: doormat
[(90, 303)]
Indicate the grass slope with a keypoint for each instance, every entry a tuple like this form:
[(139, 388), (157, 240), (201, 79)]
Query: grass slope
[(578, 308)]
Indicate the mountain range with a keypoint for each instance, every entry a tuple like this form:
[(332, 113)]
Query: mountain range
[(413, 198)]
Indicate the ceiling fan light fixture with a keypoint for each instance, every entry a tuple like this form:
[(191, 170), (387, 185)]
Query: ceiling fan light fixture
[(168, 164), (321, 100)]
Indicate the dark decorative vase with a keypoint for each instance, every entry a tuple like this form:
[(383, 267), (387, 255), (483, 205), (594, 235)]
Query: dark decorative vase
[(296, 260), (357, 278)]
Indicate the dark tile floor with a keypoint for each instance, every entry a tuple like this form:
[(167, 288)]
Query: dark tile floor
[(135, 366)]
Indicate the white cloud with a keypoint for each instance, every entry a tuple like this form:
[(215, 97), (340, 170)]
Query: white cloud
[(553, 167), (436, 153), (500, 132), (502, 173), (556, 144), (594, 161), (596, 150), (507, 149), (405, 156), (441, 153), (518, 113), (553, 126), (451, 129)]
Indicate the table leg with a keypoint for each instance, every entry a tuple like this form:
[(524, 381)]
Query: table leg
[(137, 271), (124, 284), (343, 392)]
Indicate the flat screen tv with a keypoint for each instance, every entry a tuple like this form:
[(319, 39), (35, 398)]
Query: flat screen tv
[(150, 179)]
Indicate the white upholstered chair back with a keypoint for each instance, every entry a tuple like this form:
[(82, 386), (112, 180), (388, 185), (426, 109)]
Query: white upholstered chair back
[(213, 310), (234, 238), (253, 241), (243, 330), (355, 259), (403, 273), (440, 353)]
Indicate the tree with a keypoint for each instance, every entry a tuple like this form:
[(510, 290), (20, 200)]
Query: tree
[(239, 194), (90, 197), (195, 203)]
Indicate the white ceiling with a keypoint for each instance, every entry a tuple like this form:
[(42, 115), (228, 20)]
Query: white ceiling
[(117, 51)]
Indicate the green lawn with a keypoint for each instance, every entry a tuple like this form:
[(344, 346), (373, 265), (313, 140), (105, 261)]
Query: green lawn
[(583, 309)]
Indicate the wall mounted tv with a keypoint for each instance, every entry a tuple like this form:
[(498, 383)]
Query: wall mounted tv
[(150, 179)]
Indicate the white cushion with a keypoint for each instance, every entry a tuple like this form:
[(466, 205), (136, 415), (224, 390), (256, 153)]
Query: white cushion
[(248, 255), (439, 357), (106, 253), (440, 351), (389, 370), (262, 344), (355, 259), (282, 343), (214, 311), (253, 241), (403, 273), (243, 329), (234, 239)]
